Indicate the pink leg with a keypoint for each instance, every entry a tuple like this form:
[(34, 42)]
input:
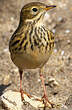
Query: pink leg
[(21, 90), (44, 87)]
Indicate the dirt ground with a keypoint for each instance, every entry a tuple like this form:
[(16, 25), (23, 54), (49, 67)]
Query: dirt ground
[(59, 66)]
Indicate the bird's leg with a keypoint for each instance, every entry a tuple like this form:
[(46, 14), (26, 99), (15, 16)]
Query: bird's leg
[(44, 87), (21, 90), (45, 98)]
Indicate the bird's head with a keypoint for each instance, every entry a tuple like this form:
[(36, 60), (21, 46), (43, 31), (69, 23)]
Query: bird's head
[(34, 11)]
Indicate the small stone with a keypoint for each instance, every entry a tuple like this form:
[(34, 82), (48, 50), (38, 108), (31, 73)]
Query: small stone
[(62, 53), (68, 41), (12, 18), (11, 30), (39, 80), (67, 31), (6, 79), (55, 50), (60, 19), (51, 79), (5, 50), (55, 83), (52, 82)]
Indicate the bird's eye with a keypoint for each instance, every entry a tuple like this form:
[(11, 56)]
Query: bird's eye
[(34, 9)]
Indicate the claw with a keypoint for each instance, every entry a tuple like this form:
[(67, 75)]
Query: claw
[(47, 102), (22, 94)]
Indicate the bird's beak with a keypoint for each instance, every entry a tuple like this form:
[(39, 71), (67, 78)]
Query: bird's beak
[(49, 7)]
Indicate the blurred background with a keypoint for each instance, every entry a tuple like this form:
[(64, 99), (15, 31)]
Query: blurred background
[(58, 70)]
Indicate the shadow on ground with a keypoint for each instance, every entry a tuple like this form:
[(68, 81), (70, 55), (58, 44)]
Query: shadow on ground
[(3, 87)]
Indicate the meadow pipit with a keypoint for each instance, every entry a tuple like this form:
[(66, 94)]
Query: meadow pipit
[(32, 43)]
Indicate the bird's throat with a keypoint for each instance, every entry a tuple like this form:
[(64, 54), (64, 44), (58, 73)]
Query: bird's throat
[(36, 20)]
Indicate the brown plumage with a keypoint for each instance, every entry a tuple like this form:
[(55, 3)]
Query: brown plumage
[(32, 43)]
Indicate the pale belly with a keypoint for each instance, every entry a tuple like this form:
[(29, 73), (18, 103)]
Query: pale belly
[(30, 60)]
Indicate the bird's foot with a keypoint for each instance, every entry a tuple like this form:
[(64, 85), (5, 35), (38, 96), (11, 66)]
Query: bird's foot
[(46, 102), (22, 94)]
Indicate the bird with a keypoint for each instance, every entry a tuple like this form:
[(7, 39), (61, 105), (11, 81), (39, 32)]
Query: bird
[(32, 43)]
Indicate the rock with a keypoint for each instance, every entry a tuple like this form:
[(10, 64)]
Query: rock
[(12, 101), (52, 82)]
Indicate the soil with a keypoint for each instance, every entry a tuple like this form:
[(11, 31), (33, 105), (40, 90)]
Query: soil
[(57, 71)]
